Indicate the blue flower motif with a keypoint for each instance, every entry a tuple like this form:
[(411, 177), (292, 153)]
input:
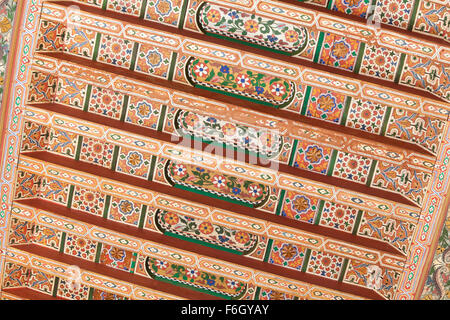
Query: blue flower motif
[(272, 38), (236, 190), (233, 15), (259, 90), (225, 69), (223, 238), (200, 169), (212, 120), (210, 282)]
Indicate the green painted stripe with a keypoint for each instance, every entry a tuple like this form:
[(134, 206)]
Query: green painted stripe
[(257, 292), (268, 250), (319, 212), (357, 222), (55, 287), (280, 203), (143, 216), (183, 14), (204, 243), (319, 47), (63, 242), (88, 98), (399, 71), (332, 162), (98, 39), (78, 149), (152, 168), (330, 4), (91, 293), (143, 10), (387, 115), (124, 108), (104, 5), (107, 204), (348, 101), (70, 197), (359, 58), (343, 270), (133, 263), (293, 152), (134, 56), (371, 172), (98, 252), (115, 157), (162, 118), (412, 18), (173, 63), (306, 101), (211, 195), (306, 260)]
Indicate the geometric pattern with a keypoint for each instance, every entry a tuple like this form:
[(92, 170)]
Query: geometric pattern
[(326, 105), (287, 255), (92, 202), (312, 157), (300, 207), (352, 167), (80, 247), (339, 51), (338, 216), (366, 116), (325, 264), (379, 62), (96, 152)]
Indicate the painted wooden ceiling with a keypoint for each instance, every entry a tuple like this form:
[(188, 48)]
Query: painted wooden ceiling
[(233, 149)]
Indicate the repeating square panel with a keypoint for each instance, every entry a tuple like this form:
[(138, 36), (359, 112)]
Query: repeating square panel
[(326, 105), (143, 112), (47, 237), (379, 62), (129, 7), (338, 216), (299, 207), (106, 102), (133, 162), (64, 291), (153, 60), (96, 152), (339, 51), (115, 51), (394, 12), (164, 11), (325, 264), (124, 210), (117, 258), (366, 115), (80, 247), (287, 255), (89, 201), (353, 7), (352, 167), (312, 157)]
